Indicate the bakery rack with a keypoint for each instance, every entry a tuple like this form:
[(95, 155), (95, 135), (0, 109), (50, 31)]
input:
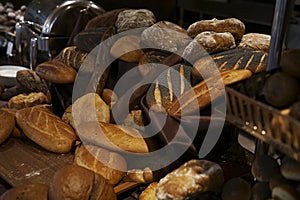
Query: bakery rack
[(266, 123)]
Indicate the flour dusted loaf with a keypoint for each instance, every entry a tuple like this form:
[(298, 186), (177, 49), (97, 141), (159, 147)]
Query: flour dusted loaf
[(55, 71), (7, 124), (134, 18), (46, 129), (112, 136), (112, 166), (235, 26), (194, 176), (256, 41)]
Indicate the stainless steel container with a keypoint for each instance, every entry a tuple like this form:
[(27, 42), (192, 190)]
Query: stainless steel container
[(49, 26)]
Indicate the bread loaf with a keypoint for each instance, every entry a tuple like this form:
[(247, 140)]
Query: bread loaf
[(32, 99), (290, 169), (150, 60), (7, 124), (72, 56), (264, 167), (102, 190), (232, 25), (200, 96), (46, 129), (236, 188), (194, 176), (139, 175), (134, 18), (71, 182), (112, 136), (127, 48), (110, 165), (31, 81), (149, 193), (256, 41), (56, 71), (34, 191)]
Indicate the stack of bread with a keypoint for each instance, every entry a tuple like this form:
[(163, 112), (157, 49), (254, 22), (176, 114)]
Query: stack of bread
[(87, 127)]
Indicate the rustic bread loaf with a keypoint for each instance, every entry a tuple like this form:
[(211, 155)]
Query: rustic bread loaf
[(200, 96), (256, 41), (110, 165), (194, 176), (149, 193), (16, 133), (28, 100), (112, 136), (127, 48), (71, 182), (55, 71), (31, 81), (7, 124), (72, 56), (34, 191), (46, 129), (235, 26), (139, 175), (134, 18)]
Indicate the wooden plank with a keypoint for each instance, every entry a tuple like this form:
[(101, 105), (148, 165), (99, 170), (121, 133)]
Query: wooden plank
[(23, 162)]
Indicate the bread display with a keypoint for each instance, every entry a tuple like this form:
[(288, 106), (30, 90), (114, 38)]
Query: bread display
[(35, 191), (232, 25), (110, 165), (112, 136), (134, 18), (46, 129), (7, 124), (194, 176), (24, 101), (31, 81), (55, 71), (256, 41)]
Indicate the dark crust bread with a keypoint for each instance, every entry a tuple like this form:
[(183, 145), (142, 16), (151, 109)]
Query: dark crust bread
[(35, 191), (232, 25), (56, 71), (7, 124)]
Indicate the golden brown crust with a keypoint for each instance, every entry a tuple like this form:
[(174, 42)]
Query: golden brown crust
[(56, 71), (110, 165), (139, 175), (257, 41), (200, 96), (7, 124), (149, 192), (46, 129), (35, 191), (28, 100), (232, 25), (112, 136)]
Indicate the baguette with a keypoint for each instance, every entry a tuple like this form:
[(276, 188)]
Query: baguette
[(200, 96)]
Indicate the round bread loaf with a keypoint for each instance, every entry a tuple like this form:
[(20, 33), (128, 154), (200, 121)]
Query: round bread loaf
[(56, 71), (194, 176), (110, 165), (208, 42), (232, 25), (102, 190), (237, 189), (261, 191), (127, 48), (35, 191), (165, 35), (281, 90), (290, 169), (264, 167), (285, 192), (134, 18), (149, 193), (7, 124), (71, 182), (257, 41)]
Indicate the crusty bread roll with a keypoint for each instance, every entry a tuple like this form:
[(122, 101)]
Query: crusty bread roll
[(46, 129), (194, 176), (90, 107), (56, 71), (28, 100), (34, 191), (290, 169), (200, 96), (110, 165), (71, 182), (31, 81), (7, 124), (17, 133), (127, 48), (149, 193), (102, 190), (139, 175), (112, 136), (257, 41), (235, 26), (72, 56)]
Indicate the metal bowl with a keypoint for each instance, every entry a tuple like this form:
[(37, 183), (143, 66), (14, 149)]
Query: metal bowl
[(8, 74)]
